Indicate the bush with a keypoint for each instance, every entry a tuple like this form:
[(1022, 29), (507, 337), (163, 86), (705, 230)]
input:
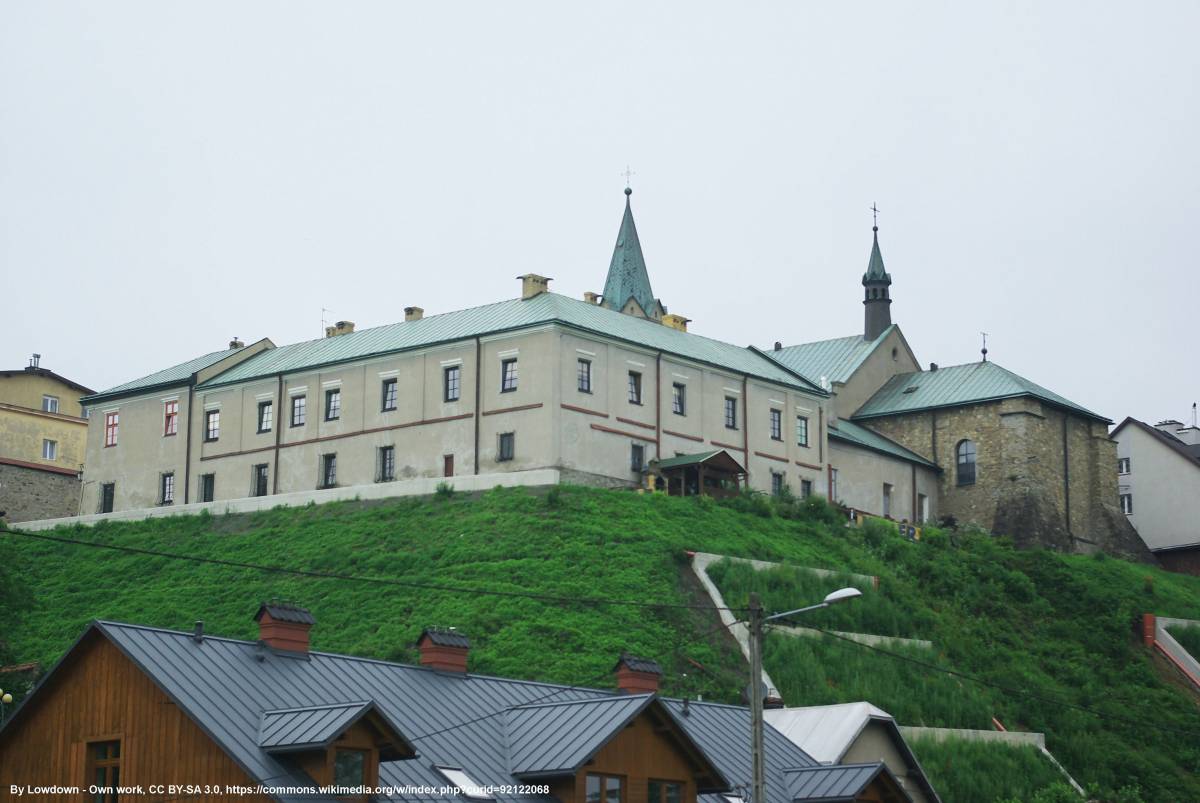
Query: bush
[(444, 490)]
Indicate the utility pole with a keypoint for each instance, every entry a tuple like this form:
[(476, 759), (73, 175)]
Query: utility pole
[(758, 781)]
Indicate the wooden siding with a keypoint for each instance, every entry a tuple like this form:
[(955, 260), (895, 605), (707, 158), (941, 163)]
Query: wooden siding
[(99, 694), (642, 752)]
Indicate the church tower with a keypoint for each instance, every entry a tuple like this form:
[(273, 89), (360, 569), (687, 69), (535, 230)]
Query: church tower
[(876, 298), (627, 288)]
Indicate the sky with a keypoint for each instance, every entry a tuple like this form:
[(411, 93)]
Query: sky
[(176, 175)]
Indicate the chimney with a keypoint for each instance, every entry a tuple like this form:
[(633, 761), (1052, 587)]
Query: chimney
[(676, 322), (35, 361), (339, 328), (236, 344), (778, 346), (284, 626), (444, 650), (591, 298), (637, 675), (413, 313), (534, 285), (933, 366)]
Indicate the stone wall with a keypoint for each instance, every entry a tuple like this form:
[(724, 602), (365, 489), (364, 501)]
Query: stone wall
[(29, 493)]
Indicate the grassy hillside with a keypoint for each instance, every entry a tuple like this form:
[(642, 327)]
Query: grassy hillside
[(1062, 626)]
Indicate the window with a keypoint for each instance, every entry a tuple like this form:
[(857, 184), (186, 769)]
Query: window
[(1122, 465), (349, 767), (299, 411), (258, 476), (333, 404), (212, 425), (664, 792), (389, 395), (108, 493), (111, 421), (730, 412), (50, 404), (679, 398), (104, 770), (387, 463), (833, 489), (166, 488), (85, 413), (584, 373), (776, 483), (505, 452), (49, 449), (887, 500), (465, 783), (451, 379), (447, 465), (266, 416), (604, 789), (1126, 503), (635, 387), (966, 462), (776, 425), (170, 417), (801, 430), (328, 471), (637, 457), (208, 487), (805, 489), (922, 508), (508, 376)]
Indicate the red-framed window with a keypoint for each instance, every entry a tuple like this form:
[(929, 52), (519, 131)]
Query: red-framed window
[(111, 420), (170, 418)]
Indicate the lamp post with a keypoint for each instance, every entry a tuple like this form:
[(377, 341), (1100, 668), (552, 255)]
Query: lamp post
[(757, 620)]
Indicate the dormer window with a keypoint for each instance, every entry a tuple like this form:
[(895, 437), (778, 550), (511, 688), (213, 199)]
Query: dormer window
[(349, 767)]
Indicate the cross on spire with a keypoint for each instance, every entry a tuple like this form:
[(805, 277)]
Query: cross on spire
[(628, 174), (984, 349), (875, 215)]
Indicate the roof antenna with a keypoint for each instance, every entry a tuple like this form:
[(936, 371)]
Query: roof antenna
[(983, 350), (1193, 415)]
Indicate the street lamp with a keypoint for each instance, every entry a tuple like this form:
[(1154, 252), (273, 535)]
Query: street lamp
[(758, 782), (5, 699)]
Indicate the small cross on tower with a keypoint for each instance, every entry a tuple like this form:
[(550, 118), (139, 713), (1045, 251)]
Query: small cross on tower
[(875, 215), (628, 174)]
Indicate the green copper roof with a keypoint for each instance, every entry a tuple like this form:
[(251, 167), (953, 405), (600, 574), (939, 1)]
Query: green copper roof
[(627, 274), (836, 359), (850, 432), (957, 385), (875, 271), (175, 375), (505, 316), (681, 460)]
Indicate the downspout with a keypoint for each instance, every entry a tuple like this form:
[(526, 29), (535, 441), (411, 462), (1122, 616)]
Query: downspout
[(916, 514), (278, 424), (658, 406), (746, 428), (933, 434), (1066, 478), (187, 449), (478, 349)]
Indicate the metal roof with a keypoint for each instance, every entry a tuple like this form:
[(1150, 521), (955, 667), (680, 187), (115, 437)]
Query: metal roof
[(307, 728), (639, 664), (825, 732), (1188, 452), (504, 316), (627, 276), (835, 359), (875, 271), (556, 739), (850, 432), (225, 686), (844, 782), (175, 375), (688, 459), (285, 612), (956, 385), (445, 638)]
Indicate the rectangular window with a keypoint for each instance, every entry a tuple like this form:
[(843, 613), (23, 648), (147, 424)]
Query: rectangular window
[(776, 483), (451, 381), (1122, 466), (922, 508), (507, 446), (447, 465), (584, 373), (730, 412), (170, 418), (1126, 503), (258, 485), (664, 792), (887, 500), (387, 463), (111, 422), (212, 425), (637, 457), (679, 398), (166, 488), (299, 411), (508, 376), (389, 396), (349, 767), (333, 404), (833, 489), (103, 770), (49, 449), (635, 387), (604, 789), (328, 471), (801, 431), (208, 487), (50, 404), (108, 494), (805, 489), (776, 425), (266, 416)]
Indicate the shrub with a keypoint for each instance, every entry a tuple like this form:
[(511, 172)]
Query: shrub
[(444, 490)]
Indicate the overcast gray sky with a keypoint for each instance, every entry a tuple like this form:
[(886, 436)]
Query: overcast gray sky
[(173, 175)]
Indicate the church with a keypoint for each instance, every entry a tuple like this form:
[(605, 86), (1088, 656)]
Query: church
[(613, 390)]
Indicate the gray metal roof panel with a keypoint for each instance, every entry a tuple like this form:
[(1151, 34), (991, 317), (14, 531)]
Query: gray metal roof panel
[(175, 375), (557, 738), (295, 728), (445, 638), (850, 432), (836, 359), (831, 784), (640, 664), (286, 612)]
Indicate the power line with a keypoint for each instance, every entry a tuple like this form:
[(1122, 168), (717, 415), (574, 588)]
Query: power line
[(360, 579)]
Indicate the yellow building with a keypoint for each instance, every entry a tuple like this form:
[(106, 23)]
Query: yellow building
[(43, 440)]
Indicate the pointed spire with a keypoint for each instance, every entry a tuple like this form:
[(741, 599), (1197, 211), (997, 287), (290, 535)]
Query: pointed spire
[(876, 298), (627, 276), (875, 271)]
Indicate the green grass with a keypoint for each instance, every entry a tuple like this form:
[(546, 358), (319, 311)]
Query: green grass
[(1064, 627), (1188, 638), (1020, 770)]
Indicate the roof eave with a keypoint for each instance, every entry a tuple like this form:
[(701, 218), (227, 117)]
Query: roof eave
[(860, 416)]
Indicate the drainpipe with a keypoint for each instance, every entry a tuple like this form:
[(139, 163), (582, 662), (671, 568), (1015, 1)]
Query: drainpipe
[(478, 349), (916, 514), (746, 428), (187, 449), (1066, 478), (278, 424), (658, 406)]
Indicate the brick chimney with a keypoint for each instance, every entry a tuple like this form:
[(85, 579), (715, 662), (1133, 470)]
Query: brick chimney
[(413, 313), (339, 328), (591, 298), (534, 285), (284, 626), (676, 322), (637, 675), (445, 650)]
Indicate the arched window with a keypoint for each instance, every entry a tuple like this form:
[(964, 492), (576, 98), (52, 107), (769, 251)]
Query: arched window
[(966, 462)]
